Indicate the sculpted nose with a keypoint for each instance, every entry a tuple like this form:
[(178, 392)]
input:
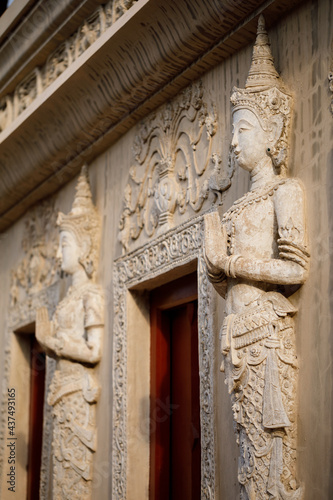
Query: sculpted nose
[(234, 141)]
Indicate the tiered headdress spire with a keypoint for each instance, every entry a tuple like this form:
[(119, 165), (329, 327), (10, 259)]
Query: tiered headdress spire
[(83, 200), (265, 96), (262, 71), (83, 222)]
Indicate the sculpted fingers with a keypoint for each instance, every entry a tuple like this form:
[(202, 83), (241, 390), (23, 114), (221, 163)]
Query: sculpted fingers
[(42, 315), (214, 254)]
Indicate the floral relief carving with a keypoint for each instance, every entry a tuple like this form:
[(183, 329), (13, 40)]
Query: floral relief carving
[(6, 112), (91, 29), (174, 168), (57, 62), (256, 256), (176, 248), (27, 91), (207, 369), (12, 105), (39, 268)]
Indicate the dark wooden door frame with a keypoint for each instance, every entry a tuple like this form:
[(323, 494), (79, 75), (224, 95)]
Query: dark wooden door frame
[(175, 428)]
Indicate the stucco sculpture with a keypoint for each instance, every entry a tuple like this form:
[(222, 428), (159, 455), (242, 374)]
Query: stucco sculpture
[(74, 339), (256, 257)]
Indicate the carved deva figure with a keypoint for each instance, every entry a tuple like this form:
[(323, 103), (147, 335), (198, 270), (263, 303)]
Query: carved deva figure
[(256, 256), (74, 338)]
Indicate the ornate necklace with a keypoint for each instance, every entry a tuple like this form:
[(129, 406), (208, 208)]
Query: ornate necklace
[(255, 196)]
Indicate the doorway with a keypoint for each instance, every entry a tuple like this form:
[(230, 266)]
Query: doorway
[(37, 390), (175, 453), (34, 388)]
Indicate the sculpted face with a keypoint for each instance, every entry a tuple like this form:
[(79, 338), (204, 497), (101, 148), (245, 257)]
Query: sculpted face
[(249, 141), (69, 252)]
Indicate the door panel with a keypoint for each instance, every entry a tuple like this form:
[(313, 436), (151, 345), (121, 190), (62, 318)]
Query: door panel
[(37, 387), (175, 406)]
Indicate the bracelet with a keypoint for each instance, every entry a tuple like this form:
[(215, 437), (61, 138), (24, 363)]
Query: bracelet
[(60, 344), (230, 266), (215, 278), (227, 266)]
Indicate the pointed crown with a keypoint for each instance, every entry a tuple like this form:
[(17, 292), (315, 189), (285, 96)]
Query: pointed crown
[(265, 95), (262, 72), (83, 222)]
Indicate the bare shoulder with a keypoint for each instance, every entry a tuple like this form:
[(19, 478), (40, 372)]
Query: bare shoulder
[(289, 203), (289, 195), (291, 187), (92, 290)]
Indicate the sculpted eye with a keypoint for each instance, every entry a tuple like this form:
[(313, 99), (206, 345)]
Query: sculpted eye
[(244, 126)]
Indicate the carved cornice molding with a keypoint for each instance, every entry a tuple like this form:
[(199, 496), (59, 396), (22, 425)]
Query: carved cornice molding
[(131, 69), (12, 105), (30, 30), (174, 169), (178, 247)]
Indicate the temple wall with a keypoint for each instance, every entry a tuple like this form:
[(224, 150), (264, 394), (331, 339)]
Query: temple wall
[(301, 46)]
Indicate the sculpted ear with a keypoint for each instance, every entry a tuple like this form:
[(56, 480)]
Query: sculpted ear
[(276, 127), (85, 247)]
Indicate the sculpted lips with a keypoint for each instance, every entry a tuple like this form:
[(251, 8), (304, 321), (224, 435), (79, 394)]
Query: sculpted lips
[(236, 152)]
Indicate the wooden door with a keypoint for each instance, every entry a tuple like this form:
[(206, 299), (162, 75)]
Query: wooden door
[(175, 455), (37, 387)]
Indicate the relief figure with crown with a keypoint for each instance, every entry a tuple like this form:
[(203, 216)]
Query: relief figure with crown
[(256, 258), (74, 338)]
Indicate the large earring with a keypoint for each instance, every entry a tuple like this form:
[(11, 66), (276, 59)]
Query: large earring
[(87, 265)]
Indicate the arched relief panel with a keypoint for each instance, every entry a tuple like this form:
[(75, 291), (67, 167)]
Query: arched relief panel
[(34, 283), (176, 169), (167, 257)]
